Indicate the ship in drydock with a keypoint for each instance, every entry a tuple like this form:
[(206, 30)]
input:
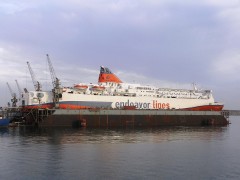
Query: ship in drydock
[(111, 93)]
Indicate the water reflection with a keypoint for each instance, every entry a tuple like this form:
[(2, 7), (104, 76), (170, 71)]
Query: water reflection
[(4, 131), (149, 153), (116, 135)]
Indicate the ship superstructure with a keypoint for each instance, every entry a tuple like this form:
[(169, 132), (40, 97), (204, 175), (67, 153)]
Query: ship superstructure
[(111, 92)]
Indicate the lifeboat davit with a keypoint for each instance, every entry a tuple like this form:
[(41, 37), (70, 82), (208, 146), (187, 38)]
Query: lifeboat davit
[(98, 88), (81, 87)]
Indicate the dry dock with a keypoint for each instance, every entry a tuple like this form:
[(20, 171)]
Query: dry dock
[(122, 118)]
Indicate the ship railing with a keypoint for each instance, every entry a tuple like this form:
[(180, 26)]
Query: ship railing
[(37, 115), (44, 113)]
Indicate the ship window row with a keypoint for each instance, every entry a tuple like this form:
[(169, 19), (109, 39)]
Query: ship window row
[(144, 88), (157, 96), (147, 91), (182, 90)]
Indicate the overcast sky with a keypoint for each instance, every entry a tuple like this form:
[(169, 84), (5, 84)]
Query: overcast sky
[(168, 43)]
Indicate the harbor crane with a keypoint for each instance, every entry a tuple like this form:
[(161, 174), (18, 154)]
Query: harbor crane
[(14, 98), (36, 84), (19, 90), (57, 91), (55, 80)]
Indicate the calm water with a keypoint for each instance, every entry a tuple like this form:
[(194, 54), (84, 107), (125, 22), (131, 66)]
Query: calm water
[(159, 153)]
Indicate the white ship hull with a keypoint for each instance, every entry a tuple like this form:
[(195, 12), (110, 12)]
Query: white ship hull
[(111, 92), (82, 101)]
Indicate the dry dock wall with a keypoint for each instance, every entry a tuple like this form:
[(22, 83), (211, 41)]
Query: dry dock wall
[(131, 118)]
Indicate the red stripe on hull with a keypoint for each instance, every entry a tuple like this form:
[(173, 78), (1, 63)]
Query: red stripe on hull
[(77, 107), (206, 108), (40, 106), (61, 106), (71, 106)]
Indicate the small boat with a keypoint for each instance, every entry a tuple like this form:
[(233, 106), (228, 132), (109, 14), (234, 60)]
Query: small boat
[(81, 87), (98, 88), (4, 122)]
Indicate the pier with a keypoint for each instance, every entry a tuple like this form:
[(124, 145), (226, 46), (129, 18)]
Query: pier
[(123, 118), (97, 117), (228, 113)]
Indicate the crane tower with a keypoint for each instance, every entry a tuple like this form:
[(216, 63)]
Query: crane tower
[(57, 91), (14, 98), (19, 90), (36, 84)]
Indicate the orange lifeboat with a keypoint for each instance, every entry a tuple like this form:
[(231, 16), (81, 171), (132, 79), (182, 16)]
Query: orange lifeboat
[(81, 87), (98, 88)]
